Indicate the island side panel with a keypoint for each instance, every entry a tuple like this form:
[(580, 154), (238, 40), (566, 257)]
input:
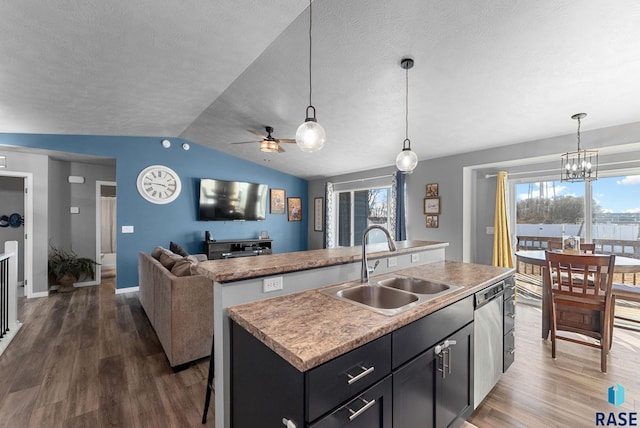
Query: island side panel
[(250, 290)]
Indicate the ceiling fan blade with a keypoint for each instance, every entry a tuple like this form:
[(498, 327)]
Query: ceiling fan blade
[(247, 142), (285, 140), (280, 149), (257, 133)]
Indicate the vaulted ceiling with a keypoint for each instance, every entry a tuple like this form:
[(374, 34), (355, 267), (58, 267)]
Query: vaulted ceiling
[(487, 73)]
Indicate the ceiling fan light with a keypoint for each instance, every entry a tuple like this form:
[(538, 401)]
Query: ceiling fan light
[(310, 136), (269, 146), (406, 161)]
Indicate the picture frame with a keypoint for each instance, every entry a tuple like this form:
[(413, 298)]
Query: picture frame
[(277, 199), (432, 221), (318, 214), (294, 209), (432, 206), (432, 190)]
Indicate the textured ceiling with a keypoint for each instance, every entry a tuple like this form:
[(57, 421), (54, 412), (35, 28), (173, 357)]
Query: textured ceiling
[(487, 73)]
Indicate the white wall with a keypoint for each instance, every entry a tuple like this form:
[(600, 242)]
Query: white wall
[(617, 144)]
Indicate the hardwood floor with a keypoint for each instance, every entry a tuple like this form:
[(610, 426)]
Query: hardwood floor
[(538, 391), (91, 359)]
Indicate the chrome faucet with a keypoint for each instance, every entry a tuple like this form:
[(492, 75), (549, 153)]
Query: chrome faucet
[(364, 271)]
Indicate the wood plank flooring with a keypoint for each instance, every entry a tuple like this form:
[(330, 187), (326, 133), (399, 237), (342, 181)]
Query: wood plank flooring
[(91, 359)]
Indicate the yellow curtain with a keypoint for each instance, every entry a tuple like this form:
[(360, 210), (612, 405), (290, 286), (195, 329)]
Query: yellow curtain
[(501, 240)]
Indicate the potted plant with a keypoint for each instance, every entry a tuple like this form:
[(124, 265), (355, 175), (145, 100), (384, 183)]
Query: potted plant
[(67, 268)]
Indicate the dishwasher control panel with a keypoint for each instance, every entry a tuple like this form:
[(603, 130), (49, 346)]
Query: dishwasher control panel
[(489, 293)]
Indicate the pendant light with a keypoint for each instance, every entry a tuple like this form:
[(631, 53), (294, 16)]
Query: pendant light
[(406, 160), (310, 136), (581, 165)]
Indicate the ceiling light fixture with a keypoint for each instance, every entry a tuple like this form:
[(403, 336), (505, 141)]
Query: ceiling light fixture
[(406, 160), (581, 165), (310, 136)]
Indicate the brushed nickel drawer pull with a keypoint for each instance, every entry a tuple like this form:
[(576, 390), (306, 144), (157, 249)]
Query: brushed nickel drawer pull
[(365, 372), (362, 409)]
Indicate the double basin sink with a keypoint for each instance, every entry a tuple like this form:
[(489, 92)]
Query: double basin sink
[(390, 296)]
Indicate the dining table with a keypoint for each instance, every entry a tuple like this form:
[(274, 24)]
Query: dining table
[(538, 258)]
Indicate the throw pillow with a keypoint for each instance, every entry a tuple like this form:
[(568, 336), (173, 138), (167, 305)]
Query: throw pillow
[(169, 260), (177, 249), (182, 268), (157, 252)]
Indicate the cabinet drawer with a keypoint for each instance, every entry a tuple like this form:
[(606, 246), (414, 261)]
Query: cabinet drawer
[(344, 377), (509, 315), (509, 350), (422, 334), (370, 409)]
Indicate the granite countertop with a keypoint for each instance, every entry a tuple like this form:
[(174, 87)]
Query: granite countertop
[(236, 269), (310, 328)]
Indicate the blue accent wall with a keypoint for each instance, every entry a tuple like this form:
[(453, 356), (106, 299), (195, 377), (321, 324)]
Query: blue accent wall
[(177, 221)]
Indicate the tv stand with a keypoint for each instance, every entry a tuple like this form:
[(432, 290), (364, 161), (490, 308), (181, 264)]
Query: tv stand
[(227, 249)]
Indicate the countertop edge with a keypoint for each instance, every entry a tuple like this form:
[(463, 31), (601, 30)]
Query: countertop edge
[(393, 322)]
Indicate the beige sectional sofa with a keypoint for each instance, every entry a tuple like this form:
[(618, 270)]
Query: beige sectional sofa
[(179, 305)]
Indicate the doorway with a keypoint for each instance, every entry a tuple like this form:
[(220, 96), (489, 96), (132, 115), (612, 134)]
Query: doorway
[(106, 229), (18, 202)]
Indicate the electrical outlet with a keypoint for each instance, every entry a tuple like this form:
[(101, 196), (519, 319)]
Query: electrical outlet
[(272, 284), (392, 262), (415, 258)]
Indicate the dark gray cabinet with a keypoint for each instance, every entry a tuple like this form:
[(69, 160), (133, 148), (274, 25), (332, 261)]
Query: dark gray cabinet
[(420, 375), (435, 389), (509, 324)]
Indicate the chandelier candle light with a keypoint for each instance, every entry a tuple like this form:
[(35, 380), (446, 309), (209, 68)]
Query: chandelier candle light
[(310, 136), (406, 160), (581, 165)]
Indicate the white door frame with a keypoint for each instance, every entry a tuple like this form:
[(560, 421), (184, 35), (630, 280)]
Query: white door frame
[(28, 228), (99, 184)]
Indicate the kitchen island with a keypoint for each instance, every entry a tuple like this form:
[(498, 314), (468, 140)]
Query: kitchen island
[(243, 280), (301, 335)]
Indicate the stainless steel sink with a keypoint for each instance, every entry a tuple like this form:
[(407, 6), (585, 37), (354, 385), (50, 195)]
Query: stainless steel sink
[(377, 297), (414, 285), (389, 296)]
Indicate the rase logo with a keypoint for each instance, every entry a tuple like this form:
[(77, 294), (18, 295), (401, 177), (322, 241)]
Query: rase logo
[(615, 396)]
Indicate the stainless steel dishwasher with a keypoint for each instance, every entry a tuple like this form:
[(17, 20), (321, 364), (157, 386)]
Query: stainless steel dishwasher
[(488, 340)]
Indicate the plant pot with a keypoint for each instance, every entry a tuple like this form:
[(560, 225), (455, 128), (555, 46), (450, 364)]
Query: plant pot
[(66, 283)]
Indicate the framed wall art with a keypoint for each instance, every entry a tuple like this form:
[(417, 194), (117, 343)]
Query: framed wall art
[(277, 199), (432, 206), (294, 209), (318, 214), (432, 190), (432, 221)]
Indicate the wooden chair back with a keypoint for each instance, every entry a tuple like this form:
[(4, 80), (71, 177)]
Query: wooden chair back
[(581, 299)]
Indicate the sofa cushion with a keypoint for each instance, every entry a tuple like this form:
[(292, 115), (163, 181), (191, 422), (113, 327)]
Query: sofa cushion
[(157, 252), (178, 249), (182, 267), (168, 260)]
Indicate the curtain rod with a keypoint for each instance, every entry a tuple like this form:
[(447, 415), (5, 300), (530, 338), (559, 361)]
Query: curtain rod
[(363, 179), (553, 170)]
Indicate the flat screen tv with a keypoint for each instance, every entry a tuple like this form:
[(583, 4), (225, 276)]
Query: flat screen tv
[(231, 200)]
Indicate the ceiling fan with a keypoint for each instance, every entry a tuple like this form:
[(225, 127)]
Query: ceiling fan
[(268, 144)]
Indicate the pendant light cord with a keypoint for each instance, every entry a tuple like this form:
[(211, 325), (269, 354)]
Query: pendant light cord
[(406, 106), (310, 24)]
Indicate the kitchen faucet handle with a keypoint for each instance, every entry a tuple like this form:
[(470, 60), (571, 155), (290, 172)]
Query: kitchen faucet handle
[(375, 265)]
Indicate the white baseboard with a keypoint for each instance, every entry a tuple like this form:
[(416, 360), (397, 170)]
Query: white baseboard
[(127, 290), (39, 294)]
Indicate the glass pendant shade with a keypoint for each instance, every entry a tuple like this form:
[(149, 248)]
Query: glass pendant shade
[(406, 161), (310, 136)]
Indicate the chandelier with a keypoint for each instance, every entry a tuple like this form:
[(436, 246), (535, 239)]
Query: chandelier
[(581, 165)]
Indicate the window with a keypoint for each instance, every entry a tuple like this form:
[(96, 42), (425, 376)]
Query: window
[(359, 209)]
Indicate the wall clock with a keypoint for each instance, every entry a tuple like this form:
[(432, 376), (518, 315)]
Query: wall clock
[(159, 184)]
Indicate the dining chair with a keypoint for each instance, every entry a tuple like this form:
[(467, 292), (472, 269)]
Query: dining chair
[(582, 306), (629, 293)]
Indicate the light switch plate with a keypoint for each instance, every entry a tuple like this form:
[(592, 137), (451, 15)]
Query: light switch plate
[(127, 229), (74, 210), (490, 230), (392, 262)]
